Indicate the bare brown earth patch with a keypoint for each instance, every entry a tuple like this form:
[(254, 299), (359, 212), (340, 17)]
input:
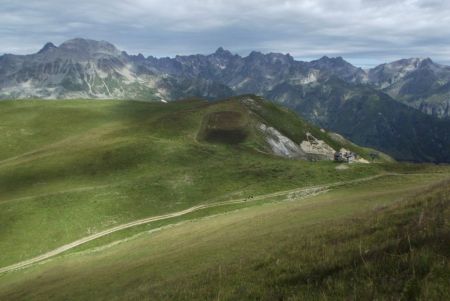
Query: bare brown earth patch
[(227, 127)]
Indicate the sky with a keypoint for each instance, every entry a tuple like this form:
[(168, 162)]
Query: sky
[(364, 32)]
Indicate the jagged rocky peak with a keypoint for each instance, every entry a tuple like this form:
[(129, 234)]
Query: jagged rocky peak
[(222, 52), (47, 47), (388, 73), (410, 63), (426, 62), (279, 57), (255, 53), (331, 62), (90, 47), (339, 67), (413, 62)]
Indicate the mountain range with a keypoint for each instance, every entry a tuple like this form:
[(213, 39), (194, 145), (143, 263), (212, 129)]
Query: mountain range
[(401, 108)]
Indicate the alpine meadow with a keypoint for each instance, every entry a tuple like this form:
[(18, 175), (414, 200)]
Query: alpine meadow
[(308, 162)]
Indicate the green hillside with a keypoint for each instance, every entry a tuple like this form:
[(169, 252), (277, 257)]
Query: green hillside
[(71, 169), (382, 239)]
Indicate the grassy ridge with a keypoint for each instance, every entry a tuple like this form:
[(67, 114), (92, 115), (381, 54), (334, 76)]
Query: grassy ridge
[(384, 239), (73, 168)]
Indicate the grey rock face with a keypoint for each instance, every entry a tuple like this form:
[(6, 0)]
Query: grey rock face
[(97, 69), (78, 68), (419, 83)]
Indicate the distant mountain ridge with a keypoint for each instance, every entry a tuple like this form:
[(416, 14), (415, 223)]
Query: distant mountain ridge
[(97, 69), (329, 91)]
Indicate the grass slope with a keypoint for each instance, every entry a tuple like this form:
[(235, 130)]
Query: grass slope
[(73, 168), (383, 239)]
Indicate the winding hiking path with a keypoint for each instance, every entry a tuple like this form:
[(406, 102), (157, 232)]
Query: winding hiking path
[(296, 193)]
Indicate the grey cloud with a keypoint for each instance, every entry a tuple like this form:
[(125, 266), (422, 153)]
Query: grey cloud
[(362, 31)]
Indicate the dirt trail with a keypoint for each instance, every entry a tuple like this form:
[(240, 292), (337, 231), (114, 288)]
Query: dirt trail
[(303, 192)]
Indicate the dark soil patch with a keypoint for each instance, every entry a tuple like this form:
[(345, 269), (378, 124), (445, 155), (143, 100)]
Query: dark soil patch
[(227, 127)]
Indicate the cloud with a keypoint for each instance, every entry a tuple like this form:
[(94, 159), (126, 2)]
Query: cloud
[(370, 30)]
